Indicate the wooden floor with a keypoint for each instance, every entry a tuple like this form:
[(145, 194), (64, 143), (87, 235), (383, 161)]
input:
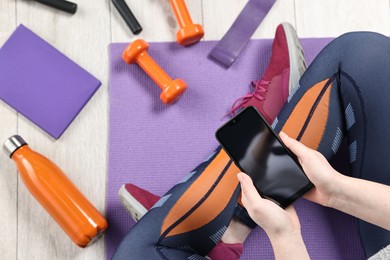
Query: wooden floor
[(28, 232)]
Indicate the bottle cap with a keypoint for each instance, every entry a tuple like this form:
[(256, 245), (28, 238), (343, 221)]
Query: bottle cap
[(12, 144)]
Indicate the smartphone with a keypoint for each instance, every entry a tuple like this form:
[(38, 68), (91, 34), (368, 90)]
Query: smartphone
[(258, 151)]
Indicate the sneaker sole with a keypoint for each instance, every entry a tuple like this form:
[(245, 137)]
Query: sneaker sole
[(132, 206), (296, 56)]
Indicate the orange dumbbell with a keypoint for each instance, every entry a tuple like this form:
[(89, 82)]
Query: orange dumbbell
[(189, 32), (136, 52)]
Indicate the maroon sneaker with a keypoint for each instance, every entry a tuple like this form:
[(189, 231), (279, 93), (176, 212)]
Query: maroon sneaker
[(136, 200), (281, 77)]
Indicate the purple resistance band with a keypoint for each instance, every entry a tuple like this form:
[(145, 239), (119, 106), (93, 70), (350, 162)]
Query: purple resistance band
[(239, 34)]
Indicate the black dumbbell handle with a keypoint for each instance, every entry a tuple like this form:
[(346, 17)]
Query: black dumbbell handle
[(128, 16), (62, 5)]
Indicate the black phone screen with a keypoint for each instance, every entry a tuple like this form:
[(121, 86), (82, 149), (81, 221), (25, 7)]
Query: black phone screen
[(259, 152)]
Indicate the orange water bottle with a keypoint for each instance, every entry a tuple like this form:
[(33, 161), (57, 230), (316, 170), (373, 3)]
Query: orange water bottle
[(56, 193)]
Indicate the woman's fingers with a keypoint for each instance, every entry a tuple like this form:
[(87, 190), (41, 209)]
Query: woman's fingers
[(296, 147)]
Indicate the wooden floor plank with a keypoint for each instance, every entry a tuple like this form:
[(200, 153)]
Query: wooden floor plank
[(317, 18)]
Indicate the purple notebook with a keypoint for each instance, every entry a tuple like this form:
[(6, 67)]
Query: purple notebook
[(155, 145), (41, 83)]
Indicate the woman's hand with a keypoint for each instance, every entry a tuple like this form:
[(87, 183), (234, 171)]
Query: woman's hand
[(338, 191), (317, 169), (282, 226), (273, 219)]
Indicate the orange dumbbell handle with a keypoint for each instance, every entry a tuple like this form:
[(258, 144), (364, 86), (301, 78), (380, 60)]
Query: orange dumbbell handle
[(153, 70), (181, 12)]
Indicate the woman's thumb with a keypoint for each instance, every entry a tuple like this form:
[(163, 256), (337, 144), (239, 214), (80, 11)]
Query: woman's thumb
[(249, 192)]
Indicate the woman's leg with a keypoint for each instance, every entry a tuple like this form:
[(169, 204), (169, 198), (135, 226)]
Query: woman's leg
[(345, 92), (192, 217)]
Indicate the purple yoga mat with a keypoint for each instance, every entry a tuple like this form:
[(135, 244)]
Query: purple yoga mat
[(154, 145), (41, 83)]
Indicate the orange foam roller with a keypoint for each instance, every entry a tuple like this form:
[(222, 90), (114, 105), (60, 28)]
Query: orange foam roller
[(189, 32), (136, 52)]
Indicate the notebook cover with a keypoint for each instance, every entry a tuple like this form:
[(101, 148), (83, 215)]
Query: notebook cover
[(41, 83)]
